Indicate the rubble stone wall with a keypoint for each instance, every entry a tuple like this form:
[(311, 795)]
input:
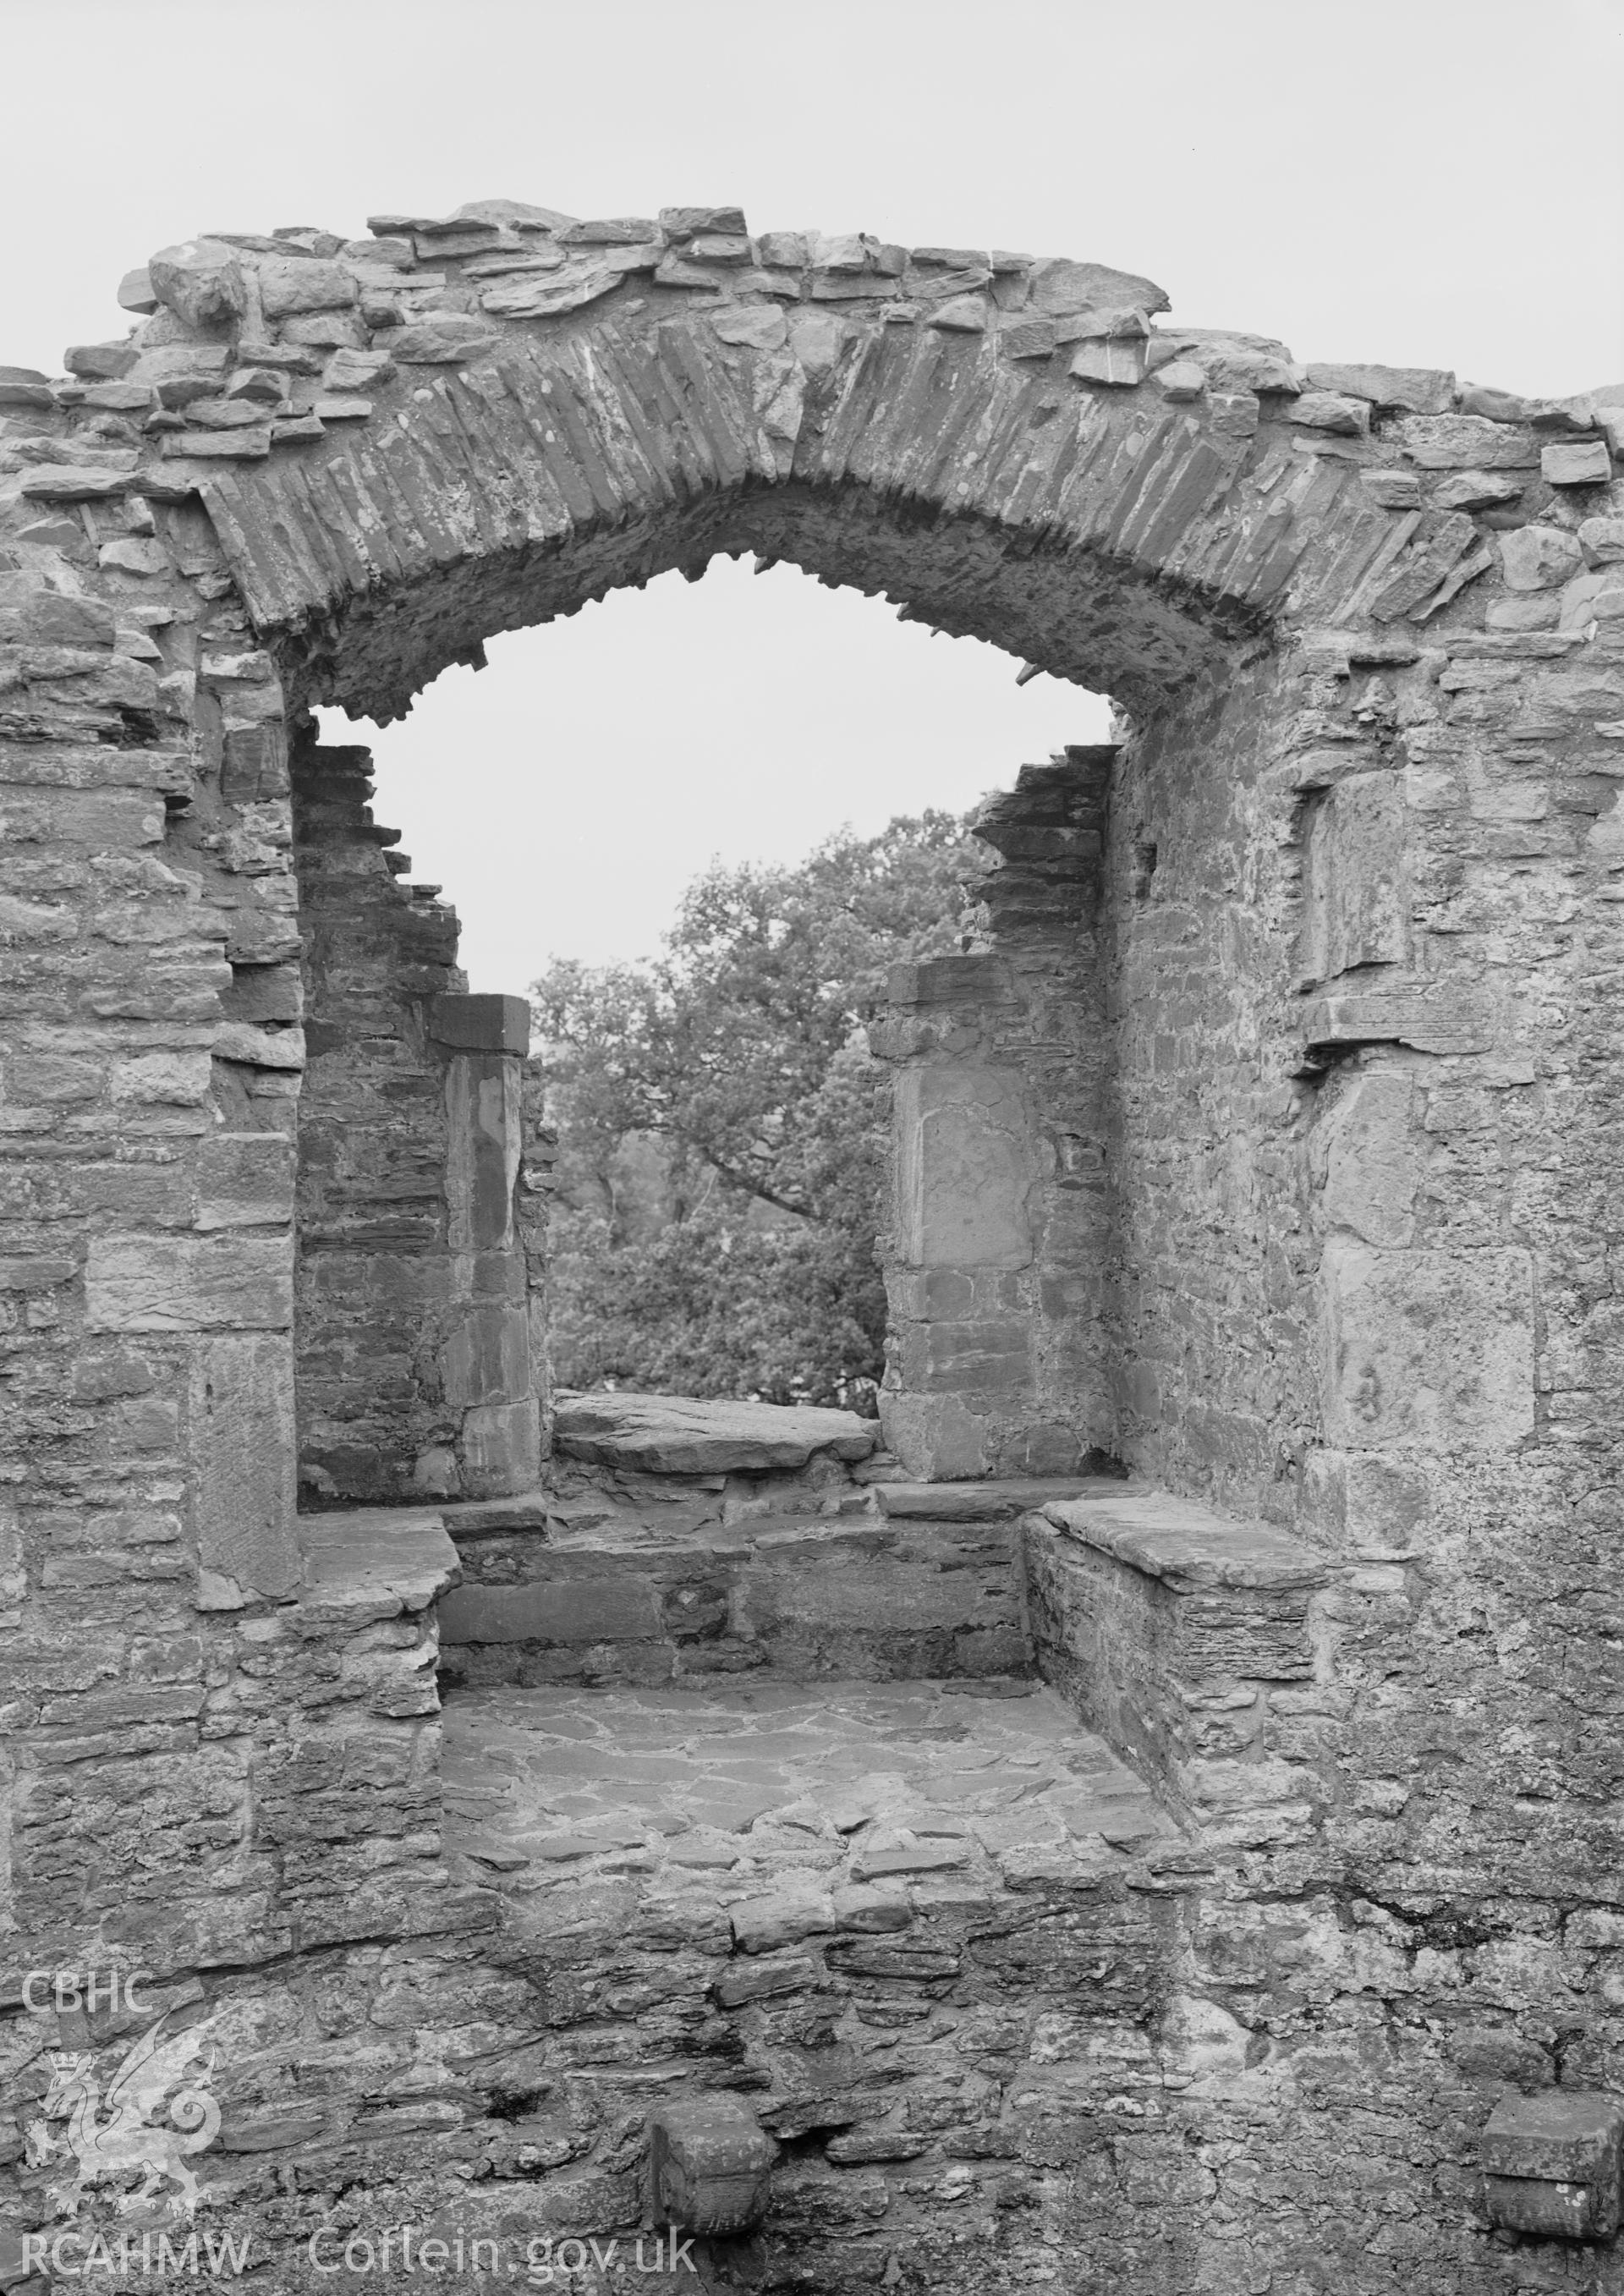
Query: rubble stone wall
[(1313, 1101), (372, 1148), (420, 1371), (1209, 1274)]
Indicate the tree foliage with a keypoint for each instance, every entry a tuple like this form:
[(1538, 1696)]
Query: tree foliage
[(720, 1123)]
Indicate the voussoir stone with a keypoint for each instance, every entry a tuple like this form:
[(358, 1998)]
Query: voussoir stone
[(1476, 490), (200, 281), (69, 482), (674, 1435), (760, 326), (962, 314), (543, 295), (441, 341), (1182, 380)]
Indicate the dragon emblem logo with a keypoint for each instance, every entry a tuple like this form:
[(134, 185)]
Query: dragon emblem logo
[(111, 2137)]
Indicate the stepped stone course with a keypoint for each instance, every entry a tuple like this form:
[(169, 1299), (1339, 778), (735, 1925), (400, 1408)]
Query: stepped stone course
[(652, 1601), (1259, 1143)]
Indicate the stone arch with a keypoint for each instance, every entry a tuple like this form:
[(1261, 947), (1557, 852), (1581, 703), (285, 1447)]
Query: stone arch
[(1013, 453), (1282, 1090), (359, 460), (1002, 446)]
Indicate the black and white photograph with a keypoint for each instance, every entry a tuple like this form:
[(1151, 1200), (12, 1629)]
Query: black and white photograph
[(811, 1113)]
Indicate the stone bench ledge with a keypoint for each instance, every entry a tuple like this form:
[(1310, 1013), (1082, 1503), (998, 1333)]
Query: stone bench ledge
[(1189, 1548)]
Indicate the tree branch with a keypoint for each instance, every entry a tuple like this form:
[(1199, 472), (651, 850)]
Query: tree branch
[(743, 1181)]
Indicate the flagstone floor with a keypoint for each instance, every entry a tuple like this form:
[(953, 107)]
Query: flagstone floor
[(858, 1782)]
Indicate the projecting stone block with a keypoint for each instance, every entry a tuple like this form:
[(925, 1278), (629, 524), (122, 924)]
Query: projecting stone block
[(1551, 2164), (243, 1452), (964, 1167), (1434, 1348), (709, 2166), (1442, 1017), (480, 1024)]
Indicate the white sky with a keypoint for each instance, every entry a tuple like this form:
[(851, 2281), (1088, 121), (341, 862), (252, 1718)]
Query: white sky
[(1421, 182)]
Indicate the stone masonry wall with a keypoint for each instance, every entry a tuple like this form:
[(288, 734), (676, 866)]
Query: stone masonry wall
[(999, 1241), (1358, 936), (1363, 1286), (373, 1147), (419, 1369), (150, 1050), (1355, 1103), (1210, 1301)]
